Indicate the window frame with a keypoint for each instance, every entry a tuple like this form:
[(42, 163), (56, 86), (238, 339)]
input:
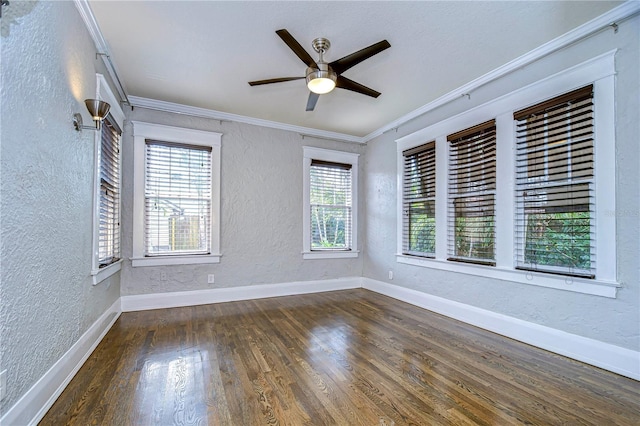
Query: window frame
[(473, 138), (321, 154), (98, 274), (179, 135), (599, 71), (411, 157), (532, 191)]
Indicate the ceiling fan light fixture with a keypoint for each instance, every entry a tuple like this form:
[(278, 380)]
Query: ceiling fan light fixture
[(321, 80)]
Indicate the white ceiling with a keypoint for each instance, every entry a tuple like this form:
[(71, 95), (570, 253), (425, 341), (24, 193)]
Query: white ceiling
[(203, 53)]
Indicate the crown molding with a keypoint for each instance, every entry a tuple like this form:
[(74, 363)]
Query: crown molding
[(176, 108), (617, 14), (608, 19), (102, 48)]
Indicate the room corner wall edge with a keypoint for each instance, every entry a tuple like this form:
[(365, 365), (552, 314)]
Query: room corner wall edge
[(35, 403), (616, 359), (176, 299)]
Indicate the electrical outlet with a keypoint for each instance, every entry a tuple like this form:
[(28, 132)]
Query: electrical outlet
[(390, 275), (3, 384), (163, 276), (211, 279)]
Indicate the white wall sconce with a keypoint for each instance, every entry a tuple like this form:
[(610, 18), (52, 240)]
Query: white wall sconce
[(98, 110)]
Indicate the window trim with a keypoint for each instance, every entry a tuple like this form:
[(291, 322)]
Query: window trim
[(600, 71), (312, 153), (103, 92), (143, 131)]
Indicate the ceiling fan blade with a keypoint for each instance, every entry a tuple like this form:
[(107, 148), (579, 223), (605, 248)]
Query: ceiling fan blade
[(345, 83), (343, 64), (273, 80), (297, 49), (311, 102)]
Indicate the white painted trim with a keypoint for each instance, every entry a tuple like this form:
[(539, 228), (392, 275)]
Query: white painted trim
[(101, 274), (143, 131), (599, 71), (541, 279), (153, 104), (35, 403), (613, 358), (144, 302), (597, 68), (175, 260), (312, 153), (84, 9), (587, 29), (104, 92), (330, 254)]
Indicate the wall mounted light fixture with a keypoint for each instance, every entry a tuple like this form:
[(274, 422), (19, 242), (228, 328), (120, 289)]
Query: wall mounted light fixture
[(98, 110)]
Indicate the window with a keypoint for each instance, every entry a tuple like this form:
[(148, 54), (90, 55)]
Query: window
[(419, 201), (472, 186), (109, 233), (555, 185), (177, 199), (176, 195), (107, 188), (330, 201), (526, 196)]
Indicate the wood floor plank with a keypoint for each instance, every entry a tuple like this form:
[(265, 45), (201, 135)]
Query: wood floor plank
[(340, 358)]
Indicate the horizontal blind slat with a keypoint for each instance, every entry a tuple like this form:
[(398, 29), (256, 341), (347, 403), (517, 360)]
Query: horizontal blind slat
[(555, 202)]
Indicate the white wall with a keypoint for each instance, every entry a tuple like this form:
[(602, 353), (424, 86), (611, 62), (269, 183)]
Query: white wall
[(261, 205), (47, 298), (615, 321)]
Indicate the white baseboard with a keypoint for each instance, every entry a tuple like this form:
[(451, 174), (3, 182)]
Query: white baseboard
[(625, 362), (144, 302), (35, 403)]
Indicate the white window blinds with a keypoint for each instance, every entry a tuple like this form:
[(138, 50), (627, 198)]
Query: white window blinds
[(109, 208), (330, 202), (472, 187), (177, 199), (555, 185), (419, 201)]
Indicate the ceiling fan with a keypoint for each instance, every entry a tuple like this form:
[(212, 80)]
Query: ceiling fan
[(323, 77)]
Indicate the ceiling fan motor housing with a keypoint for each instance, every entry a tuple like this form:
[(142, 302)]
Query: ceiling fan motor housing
[(323, 71)]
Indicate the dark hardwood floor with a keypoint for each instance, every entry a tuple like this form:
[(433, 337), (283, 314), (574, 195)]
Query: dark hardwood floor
[(341, 358)]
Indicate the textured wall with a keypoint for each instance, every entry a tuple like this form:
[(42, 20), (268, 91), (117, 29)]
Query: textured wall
[(47, 299), (615, 321), (261, 205)]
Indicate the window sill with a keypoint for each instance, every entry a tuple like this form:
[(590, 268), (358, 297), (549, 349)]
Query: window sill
[(307, 255), (99, 275), (175, 260), (575, 284)]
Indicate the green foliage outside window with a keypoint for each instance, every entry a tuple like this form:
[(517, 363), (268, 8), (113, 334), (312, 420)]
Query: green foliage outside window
[(559, 239), (474, 237), (422, 227)]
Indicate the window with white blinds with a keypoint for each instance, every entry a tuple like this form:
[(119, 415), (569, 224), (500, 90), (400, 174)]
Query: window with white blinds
[(555, 208), (331, 205), (109, 204), (419, 201), (472, 189), (177, 199)]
